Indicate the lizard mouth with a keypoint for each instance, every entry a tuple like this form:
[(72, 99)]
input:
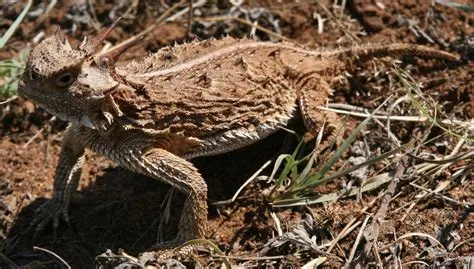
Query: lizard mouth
[(83, 120), (100, 95)]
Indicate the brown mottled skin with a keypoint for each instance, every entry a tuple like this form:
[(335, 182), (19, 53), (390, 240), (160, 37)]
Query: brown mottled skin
[(197, 99)]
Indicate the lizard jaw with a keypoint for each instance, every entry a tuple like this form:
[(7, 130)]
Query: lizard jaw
[(83, 120)]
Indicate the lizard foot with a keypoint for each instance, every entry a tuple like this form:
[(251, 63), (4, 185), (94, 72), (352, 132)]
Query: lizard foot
[(52, 210), (169, 249), (180, 251)]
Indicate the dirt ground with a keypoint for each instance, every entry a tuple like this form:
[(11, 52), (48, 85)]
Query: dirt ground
[(117, 209)]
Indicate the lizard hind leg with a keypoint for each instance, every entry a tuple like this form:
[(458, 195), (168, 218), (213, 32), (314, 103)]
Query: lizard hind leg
[(313, 94)]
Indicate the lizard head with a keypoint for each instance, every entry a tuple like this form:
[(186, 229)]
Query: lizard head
[(69, 83)]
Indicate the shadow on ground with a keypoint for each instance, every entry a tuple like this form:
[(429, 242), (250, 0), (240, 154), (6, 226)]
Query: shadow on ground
[(122, 209)]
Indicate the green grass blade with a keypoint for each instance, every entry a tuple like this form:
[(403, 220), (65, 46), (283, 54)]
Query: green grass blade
[(302, 186), (383, 179), (410, 87), (348, 141), (15, 24), (368, 162), (290, 166), (9, 64), (466, 8)]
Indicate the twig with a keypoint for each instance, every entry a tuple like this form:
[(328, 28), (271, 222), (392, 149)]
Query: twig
[(430, 168), (407, 235), (439, 195), (413, 89), (277, 223), (163, 18), (8, 64), (33, 137), (37, 133), (17, 211), (190, 19), (470, 240), (42, 18), (416, 262), (382, 211), (251, 178), (167, 201), (357, 241), (263, 29), (46, 152), (320, 23), (466, 124), (185, 10), (250, 258), (95, 21), (339, 23), (54, 254), (345, 231), (457, 158), (14, 97), (343, 6)]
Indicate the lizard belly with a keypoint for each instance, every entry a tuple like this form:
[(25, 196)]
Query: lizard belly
[(237, 138)]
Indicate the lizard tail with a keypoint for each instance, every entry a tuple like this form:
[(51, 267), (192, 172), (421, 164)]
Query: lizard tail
[(370, 51)]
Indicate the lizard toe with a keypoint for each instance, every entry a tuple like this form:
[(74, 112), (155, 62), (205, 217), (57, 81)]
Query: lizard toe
[(51, 211)]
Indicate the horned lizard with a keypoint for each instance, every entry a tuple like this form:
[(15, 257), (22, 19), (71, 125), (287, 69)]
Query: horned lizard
[(197, 99)]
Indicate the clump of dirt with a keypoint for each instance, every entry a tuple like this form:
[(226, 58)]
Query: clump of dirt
[(116, 209)]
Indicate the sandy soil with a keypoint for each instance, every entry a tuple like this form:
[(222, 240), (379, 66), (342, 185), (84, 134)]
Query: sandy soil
[(115, 208)]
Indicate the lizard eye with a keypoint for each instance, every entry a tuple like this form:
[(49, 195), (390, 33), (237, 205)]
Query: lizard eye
[(34, 74), (105, 62), (65, 79)]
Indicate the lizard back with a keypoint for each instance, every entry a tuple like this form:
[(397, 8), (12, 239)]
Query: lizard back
[(204, 88)]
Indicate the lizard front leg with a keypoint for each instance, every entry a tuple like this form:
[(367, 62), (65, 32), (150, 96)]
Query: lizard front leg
[(139, 153), (68, 173)]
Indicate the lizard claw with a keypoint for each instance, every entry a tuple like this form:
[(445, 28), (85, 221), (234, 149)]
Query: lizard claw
[(52, 210)]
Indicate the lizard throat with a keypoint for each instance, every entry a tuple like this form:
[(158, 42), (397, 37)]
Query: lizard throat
[(82, 120)]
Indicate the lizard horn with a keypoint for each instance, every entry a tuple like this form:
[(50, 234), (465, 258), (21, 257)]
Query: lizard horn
[(57, 33), (111, 57), (92, 45)]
